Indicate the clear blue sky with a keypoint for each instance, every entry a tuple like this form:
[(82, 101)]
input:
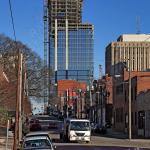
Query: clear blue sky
[(111, 18)]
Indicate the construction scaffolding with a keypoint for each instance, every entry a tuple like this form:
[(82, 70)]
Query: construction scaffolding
[(65, 9), (71, 41)]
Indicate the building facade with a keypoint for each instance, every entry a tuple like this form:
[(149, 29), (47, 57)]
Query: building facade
[(140, 107), (101, 110), (133, 50), (72, 96), (71, 41)]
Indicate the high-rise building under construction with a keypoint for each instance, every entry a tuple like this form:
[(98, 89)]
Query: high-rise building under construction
[(70, 41)]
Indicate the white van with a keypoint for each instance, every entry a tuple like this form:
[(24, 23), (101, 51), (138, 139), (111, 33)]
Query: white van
[(77, 130)]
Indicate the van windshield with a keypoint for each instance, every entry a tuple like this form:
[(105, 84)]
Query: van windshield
[(80, 125)]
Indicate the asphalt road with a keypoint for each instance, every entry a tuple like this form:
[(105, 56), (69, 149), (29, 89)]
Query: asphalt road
[(74, 147), (111, 141)]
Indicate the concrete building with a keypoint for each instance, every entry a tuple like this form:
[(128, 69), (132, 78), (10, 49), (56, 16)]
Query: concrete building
[(70, 41), (133, 49), (140, 85)]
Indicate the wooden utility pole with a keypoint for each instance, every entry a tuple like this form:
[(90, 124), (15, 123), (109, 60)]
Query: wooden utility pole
[(18, 125), (20, 98)]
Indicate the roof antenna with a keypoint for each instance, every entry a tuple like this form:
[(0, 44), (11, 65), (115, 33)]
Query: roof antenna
[(138, 30)]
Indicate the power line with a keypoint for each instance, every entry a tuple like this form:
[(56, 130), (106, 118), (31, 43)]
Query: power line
[(12, 20)]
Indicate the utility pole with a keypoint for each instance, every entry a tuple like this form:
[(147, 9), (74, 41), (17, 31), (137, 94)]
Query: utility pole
[(18, 124), (67, 95), (80, 99), (101, 93), (130, 119), (20, 97), (101, 103)]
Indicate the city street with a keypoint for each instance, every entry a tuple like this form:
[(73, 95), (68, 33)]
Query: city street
[(104, 143), (110, 141), (75, 147)]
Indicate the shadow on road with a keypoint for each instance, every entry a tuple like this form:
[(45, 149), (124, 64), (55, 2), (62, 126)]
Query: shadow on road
[(112, 134)]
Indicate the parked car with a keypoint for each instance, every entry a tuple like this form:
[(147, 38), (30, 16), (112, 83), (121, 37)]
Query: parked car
[(52, 125), (37, 142), (39, 133), (34, 125), (100, 129)]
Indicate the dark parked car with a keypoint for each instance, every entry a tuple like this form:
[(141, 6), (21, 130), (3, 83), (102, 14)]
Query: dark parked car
[(100, 129), (34, 125)]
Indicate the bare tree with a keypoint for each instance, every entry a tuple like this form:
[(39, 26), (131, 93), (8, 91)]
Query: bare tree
[(33, 62)]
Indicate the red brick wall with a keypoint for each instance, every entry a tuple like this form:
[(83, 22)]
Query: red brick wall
[(141, 80), (109, 89), (63, 85)]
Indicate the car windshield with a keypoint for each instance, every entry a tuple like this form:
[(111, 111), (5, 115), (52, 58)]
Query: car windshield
[(80, 125), (37, 143)]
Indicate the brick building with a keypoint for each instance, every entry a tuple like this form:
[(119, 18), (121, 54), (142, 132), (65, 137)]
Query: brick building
[(140, 83), (109, 98), (76, 96), (102, 100)]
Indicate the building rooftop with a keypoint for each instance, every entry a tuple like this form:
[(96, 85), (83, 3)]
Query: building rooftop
[(134, 38)]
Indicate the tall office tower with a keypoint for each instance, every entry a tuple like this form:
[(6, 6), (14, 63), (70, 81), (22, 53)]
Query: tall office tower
[(130, 49), (71, 41)]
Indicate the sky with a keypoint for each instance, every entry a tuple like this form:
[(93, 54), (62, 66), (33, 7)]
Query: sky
[(110, 18)]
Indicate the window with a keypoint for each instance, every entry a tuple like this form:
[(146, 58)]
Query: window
[(141, 120), (119, 115), (135, 91), (132, 94), (135, 118), (132, 118), (126, 120), (119, 89), (125, 95)]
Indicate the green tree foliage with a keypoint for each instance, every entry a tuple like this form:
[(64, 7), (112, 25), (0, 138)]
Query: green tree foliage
[(3, 116)]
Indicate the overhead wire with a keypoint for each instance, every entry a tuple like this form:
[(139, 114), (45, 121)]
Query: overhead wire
[(12, 20)]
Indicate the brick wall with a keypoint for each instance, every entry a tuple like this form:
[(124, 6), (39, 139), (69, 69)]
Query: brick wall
[(140, 83)]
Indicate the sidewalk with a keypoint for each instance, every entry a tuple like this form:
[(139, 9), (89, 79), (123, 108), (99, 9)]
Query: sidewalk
[(3, 135), (114, 134), (114, 138)]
